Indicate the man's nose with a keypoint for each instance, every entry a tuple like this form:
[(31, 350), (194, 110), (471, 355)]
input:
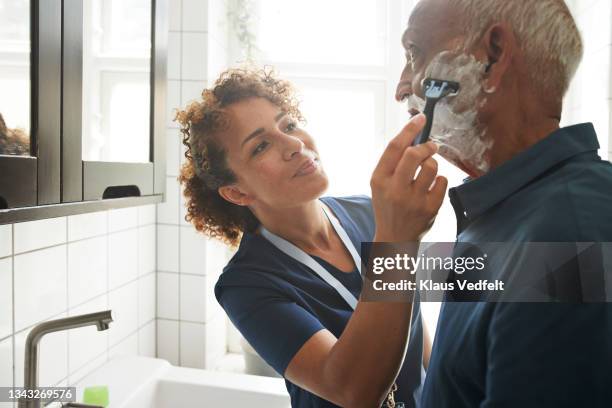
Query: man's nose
[(404, 89), (404, 86)]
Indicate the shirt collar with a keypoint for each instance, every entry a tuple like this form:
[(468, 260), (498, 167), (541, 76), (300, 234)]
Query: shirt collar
[(476, 196)]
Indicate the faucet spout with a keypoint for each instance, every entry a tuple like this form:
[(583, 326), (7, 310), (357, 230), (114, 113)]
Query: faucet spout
[(101, 320)]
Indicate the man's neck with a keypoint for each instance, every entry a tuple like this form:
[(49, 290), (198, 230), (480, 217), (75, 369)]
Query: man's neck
[(517, 131), (306, 225)]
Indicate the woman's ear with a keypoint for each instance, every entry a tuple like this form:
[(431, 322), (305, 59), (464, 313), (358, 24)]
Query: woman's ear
[(499, 45), (235, 195)]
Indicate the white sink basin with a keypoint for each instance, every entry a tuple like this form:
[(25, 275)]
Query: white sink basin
[(143, 382)]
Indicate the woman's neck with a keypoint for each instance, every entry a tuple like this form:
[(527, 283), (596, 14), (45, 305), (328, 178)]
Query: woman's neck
[(306, 225)]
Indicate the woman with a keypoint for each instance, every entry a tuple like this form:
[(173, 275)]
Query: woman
[(254, 178)]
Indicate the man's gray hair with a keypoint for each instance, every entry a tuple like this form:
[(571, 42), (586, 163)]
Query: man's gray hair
[(545, 31)]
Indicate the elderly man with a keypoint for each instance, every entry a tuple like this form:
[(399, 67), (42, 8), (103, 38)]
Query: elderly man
[(529, 181)]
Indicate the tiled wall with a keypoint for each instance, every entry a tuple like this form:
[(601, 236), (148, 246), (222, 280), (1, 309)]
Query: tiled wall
[(66, 266), (590, 96), (191, 326)]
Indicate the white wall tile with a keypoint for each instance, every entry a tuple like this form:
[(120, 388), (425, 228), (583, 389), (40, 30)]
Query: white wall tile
[(216, 340), (174, 14), (168, 340), (193, 298), (6, 240), (195, 13), (193, 345), (193, 251), (87, 269), (127, 347), (146, 214), (87, 343), (122, 257), (173, 102), (217, 256), (87, 225), (146, 249), (167, 248), (33, 235), (123, 302), (122, 218), (183, 211), (146, 340), (53, 359), (173, 152), (6, 363), (146, 299), (167, 295), (167, 212), (174, 55), (213, 309), (6, 297), (194, 49), (77, 375), (40, 285), (191, 91)]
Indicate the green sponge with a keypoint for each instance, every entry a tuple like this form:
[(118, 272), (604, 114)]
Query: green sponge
[(96, 395)]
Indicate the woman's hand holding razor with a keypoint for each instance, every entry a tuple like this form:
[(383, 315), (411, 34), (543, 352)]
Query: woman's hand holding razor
[(406, 200)]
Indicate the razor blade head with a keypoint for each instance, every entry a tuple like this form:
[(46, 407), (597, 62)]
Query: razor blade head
[(439, 88)]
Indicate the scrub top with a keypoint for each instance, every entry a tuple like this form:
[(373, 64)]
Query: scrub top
[(278, 303), (515, 354)]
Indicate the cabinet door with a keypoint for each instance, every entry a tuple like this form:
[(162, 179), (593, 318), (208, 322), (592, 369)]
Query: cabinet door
[(30, 98), (110, 97)]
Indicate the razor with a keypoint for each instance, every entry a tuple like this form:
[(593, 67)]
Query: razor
[(435, 90)]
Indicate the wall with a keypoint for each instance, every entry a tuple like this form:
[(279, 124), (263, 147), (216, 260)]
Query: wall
[(66, 266), (590, 96), (191, 326)]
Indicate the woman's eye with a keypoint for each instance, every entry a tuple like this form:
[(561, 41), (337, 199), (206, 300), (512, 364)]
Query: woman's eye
[(291, 127), (260, 148)]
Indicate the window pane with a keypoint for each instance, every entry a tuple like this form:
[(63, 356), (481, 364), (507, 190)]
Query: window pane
[(298, 31), (344, 123), (15, 77), (116, 80)]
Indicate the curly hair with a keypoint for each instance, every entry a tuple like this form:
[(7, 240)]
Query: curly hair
[(203, 123)]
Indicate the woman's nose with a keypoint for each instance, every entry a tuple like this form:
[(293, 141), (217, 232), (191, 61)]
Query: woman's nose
[(292, 146)]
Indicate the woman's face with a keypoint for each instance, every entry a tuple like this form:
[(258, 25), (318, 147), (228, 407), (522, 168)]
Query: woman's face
[(275, 162)]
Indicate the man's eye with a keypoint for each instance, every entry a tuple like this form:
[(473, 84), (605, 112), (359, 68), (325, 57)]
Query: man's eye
[(291, 126), (412, 54), (260, 148)]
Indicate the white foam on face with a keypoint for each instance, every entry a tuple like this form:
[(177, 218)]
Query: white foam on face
[(455, 127)]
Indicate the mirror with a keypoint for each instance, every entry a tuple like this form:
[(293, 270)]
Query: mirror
[(116, 80), (15, 48)]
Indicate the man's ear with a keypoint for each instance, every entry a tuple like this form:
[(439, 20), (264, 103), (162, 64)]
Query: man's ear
[(235, 195), (499, 45)]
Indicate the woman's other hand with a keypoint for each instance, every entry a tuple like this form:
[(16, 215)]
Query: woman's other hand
[(405, 206)]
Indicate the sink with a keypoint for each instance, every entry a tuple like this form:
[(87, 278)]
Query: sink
[(144, 382)]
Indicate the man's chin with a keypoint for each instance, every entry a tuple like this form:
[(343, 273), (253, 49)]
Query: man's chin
[(470, 167)]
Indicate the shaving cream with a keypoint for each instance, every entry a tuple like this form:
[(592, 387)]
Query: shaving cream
[(455, 129)]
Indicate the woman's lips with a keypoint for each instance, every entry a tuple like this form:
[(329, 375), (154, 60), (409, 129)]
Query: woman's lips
[(309, 167)]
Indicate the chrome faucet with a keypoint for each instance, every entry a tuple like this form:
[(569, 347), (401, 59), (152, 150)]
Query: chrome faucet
[(99, 319)]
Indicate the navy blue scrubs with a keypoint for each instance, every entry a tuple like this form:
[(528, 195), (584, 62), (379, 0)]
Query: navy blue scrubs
[(278, 304), (545, 355)]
